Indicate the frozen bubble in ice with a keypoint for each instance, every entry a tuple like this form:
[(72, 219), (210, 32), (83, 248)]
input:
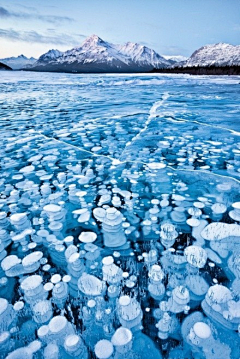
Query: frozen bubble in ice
[(18, 218), (103, 349), (99, 213), (56, 278), (18, 306), (219, 208), (91, 285), (68, 240), (196, 256), (235, 213), (20, 353), (178, 197), (108, 260), (4, 337), (57, 324), (43, 331), (72, 343), (87, 237), (122, 336), (168, 234), (156, 165), (199, 205), (91, 303), (218, 231), (202, 330), (31, 259), (10, 262), (124, 300), (155, 273), (52, 208), (42, 311), (218, 294), (66, 278), (31, 282), (20, 236), (48, 286), (193, 222), (35, 346), (73, 257), (46, 267), (27, 169)]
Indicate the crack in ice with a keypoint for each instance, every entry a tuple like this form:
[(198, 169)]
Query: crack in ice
[(204, 124), (152, 115), (114, 160)]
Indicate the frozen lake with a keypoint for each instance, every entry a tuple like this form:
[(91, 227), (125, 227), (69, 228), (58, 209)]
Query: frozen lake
[(119, 208)]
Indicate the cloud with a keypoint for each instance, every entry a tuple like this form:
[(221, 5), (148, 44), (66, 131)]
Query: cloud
[(35, 37), (4, 14)]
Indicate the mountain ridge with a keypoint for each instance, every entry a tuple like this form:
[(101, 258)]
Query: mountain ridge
[(220, 54), (97, 56), (18, 62)]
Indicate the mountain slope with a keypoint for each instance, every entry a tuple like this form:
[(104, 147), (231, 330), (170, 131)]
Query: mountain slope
[(4, 67), (18, 62), (96, 55), (51, 55), (215, 55), (142, 55)]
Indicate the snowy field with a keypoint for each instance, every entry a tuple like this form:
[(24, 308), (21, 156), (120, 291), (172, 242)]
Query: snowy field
[(119, 216)]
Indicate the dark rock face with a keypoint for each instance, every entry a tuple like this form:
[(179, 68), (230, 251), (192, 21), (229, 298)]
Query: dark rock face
[(76, 67), (4, 67)]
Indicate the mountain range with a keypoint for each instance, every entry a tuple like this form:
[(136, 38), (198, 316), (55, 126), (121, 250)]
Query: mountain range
[(220, 54), (95, 55), (18, 62)]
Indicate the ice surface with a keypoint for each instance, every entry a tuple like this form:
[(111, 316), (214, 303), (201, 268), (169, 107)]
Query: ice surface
[(145, 166)]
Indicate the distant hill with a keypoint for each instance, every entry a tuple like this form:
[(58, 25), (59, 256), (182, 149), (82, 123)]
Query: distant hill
[(176, 58), (18, 62)]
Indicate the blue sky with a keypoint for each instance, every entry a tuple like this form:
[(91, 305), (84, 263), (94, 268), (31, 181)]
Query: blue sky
[(171, 27)]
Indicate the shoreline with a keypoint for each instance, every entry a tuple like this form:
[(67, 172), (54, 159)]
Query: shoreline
[(198, 70)]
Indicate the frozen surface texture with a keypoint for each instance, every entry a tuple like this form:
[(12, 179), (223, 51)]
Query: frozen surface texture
[(119, 216)]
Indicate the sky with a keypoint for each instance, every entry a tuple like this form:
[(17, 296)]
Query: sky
[(170, 27)]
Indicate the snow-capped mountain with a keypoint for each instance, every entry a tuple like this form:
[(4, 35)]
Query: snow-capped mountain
[(93, 50), (142, 55), (97, 55), (50, 56), (217, 55), (18, 62), (175, 58)]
